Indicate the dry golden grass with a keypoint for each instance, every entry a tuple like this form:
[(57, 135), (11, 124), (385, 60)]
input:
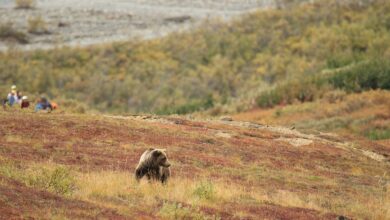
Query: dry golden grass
[(119, 190), (115, 184)]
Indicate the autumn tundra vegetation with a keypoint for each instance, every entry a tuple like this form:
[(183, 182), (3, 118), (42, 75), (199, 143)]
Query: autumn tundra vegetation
[(306, 88), (220, 64)]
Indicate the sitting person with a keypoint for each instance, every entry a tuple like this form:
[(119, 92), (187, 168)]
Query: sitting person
[(4, 103), (12, 98), (25, 103), (43, 104), (19, 97)]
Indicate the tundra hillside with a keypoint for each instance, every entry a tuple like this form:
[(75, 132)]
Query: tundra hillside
[(221, 67), (314, 68), (82, 167)]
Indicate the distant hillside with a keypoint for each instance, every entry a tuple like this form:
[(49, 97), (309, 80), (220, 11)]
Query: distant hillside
[(365, 114), (221, 66)]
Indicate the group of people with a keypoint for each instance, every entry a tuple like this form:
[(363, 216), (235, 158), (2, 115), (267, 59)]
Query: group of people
[(15, 98)]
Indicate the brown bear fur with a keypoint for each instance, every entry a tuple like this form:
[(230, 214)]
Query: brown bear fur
[(154, 164)]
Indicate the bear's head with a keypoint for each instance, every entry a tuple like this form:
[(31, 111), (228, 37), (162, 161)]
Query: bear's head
[(160, 157)]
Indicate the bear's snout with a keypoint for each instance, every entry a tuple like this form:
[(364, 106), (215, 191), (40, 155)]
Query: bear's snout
[(167, 164)]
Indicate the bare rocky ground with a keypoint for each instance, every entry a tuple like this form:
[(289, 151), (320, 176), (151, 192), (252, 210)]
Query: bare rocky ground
[(85, 22)]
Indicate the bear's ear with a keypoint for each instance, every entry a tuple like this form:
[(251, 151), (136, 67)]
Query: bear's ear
[(156, 153)]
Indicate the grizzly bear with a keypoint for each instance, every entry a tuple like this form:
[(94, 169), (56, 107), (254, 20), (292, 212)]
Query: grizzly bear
[(154, 164)]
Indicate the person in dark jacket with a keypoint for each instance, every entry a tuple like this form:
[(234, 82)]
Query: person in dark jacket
[(43, 104), (4, 103)]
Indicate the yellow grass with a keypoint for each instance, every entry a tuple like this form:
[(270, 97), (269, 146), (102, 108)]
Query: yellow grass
[(110, 184), (120, 190)]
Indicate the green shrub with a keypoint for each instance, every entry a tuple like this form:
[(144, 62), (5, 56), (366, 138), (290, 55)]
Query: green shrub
[(374, 74), (327, 124), (303, 90), (58, 180), (378, 134), (190, 107), (9, 170), (204, 190), (269, 99), (337, 61)]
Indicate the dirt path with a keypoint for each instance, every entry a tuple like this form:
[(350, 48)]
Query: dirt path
[(81, 23)]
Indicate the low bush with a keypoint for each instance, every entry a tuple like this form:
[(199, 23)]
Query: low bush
[(302, 90), (378, 134), (374, 74), (204, 190), (188, 108), (338, 61), (9, 33), (37, 25), (9, 170), (58, 180), (25, 4)]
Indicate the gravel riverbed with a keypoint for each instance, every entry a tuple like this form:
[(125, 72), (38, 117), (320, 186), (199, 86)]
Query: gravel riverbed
[(86, 22)]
